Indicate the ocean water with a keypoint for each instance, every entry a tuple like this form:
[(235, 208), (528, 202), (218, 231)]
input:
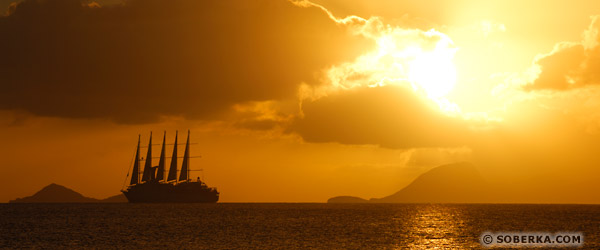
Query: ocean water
[(282, 226)]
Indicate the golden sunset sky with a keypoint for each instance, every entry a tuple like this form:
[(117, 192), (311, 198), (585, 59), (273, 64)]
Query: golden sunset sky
[(299, 101)]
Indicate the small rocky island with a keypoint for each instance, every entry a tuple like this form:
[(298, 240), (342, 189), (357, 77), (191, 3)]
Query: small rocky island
[(55, 193), (452, 183)]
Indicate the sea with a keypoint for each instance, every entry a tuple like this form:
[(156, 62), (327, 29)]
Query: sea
[(283, 225)]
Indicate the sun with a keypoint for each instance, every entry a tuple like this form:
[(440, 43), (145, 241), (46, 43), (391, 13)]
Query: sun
[(433, 72), (426, 63)]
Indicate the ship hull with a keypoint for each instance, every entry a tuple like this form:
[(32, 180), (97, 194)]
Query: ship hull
[(185, 192)]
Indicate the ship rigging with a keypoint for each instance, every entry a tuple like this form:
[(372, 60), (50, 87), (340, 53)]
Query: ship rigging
[(149, 184)]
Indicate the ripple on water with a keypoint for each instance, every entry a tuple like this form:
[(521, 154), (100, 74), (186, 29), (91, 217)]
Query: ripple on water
[(277, 226)]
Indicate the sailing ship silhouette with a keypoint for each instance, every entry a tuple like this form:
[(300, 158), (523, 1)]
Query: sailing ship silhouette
[(152, 187)]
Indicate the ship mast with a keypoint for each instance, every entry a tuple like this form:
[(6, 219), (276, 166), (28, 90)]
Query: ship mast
[(148, 164), (173, 168), (185, 167), (135, 175), (160, 173)]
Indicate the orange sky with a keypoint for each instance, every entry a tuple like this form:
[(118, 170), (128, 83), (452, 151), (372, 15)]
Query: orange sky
[(298, 101)]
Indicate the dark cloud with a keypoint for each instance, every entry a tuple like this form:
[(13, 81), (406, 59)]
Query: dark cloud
[(571, 65), (559, 69), (389, 116), (141, 60)]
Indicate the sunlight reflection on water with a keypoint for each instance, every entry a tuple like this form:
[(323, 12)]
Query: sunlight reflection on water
[(434, 226)]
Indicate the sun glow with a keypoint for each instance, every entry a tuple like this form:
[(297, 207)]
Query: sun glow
[(427, 63), (421, 60), (434, 72)]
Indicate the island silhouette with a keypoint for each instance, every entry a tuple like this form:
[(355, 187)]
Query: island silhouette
[(55, 193), (451, 183)]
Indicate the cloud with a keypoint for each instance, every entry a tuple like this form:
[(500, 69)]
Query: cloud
[(438, 156), (377, 97), (139, 61), (570, 65), (265, 116), (390, 116)]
